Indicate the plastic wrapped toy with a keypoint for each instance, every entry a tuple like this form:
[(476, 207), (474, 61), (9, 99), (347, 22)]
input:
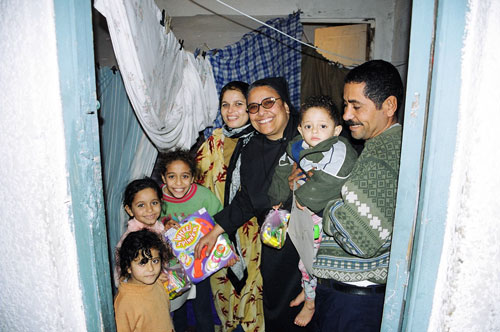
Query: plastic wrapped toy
[(184, 240), (178, 281), (273, 230)]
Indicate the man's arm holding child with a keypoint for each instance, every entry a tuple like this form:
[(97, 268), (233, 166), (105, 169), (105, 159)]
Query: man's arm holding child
[(362, 221)]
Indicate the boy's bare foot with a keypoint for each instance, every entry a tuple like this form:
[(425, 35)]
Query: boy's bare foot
[(298, 300), (305, 315)]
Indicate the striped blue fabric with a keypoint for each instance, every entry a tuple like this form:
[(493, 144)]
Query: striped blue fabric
[(259, 54), (120, 136)]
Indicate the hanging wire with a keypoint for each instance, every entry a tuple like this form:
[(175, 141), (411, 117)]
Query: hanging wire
[(291, 37)]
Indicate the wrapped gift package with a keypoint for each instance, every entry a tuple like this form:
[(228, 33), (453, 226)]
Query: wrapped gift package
[(178, 281), (184, 239), (273, 230)]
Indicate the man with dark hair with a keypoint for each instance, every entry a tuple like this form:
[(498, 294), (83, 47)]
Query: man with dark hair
[(353, 258)]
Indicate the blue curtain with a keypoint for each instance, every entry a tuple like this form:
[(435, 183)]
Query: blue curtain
[(261, 53), (120, 137)]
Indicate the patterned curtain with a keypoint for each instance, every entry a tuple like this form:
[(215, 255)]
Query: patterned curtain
[(261, 53)]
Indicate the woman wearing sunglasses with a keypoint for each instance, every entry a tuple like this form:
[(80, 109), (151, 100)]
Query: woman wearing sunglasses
[(271, 114)]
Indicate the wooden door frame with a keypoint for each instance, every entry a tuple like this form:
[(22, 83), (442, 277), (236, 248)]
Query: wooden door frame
[(75, 51), (429, 139)]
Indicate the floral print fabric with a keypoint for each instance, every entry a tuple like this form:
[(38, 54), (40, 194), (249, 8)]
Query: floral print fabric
[(233, 309)]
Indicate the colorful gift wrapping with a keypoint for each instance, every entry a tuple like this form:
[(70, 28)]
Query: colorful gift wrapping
[(273, 230), (184, 239), (178, 282)]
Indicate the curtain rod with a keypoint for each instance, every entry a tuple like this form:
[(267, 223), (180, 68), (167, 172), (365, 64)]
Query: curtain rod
[(291, 37)]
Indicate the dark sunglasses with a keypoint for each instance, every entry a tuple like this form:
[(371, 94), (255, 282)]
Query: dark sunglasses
[(267, 103)]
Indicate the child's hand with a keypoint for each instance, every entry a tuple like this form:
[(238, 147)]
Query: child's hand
[(276, 207), (171, 223), (163, 277)]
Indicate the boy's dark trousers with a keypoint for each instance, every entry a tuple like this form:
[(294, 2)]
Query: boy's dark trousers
[(202, 307), (344, 308)]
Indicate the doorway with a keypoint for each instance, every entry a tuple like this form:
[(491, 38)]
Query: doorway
[(346, 43)]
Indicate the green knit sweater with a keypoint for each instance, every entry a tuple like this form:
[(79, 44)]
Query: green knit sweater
[(358, 226)]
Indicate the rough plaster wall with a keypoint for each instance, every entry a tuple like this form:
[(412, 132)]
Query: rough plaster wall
[(216, 25), (195, 32), (467, 289), (39, 288)]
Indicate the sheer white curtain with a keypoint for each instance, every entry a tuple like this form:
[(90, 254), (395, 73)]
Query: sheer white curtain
[(172, 93)]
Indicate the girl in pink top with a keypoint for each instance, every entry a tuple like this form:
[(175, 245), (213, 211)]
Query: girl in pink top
[(142, 203)]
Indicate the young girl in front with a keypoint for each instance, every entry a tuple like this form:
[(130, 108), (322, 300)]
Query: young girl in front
[(142, 304), (142, 201), (327, 159), (182, 197)]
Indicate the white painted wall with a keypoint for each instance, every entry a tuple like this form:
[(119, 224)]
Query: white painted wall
[(39, 288), (227, 27), (211, 23), (468, 285), (39, 285)]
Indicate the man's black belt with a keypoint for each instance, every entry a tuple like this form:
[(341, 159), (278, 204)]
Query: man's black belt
[(351, 289)]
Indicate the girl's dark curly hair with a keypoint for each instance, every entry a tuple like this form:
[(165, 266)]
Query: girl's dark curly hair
[(140, 242), (137, 185), (324, 102), (183, 155)]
